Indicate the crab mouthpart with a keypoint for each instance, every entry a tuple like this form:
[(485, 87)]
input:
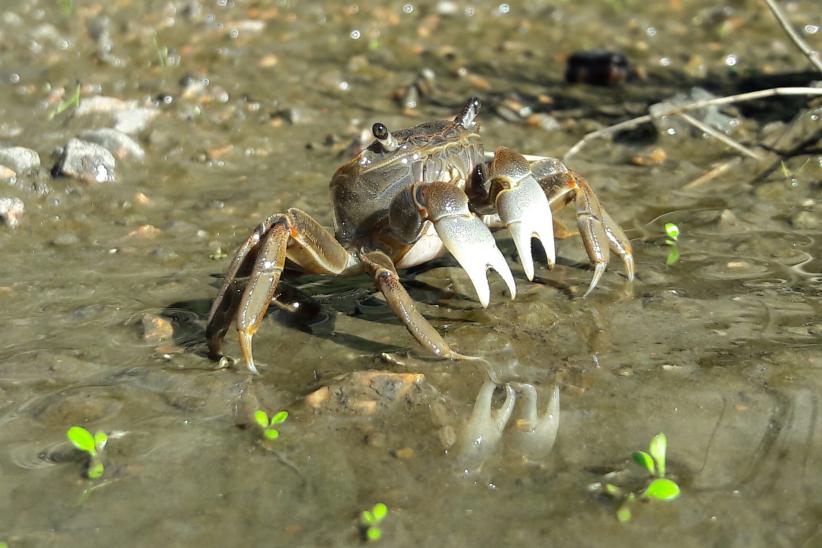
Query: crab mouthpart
[(473, 246)]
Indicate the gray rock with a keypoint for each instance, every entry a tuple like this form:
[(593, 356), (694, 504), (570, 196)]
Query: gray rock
[(134, 120), (103, 105), (11, 209), (117, 142), (86, 161), (21, 160)]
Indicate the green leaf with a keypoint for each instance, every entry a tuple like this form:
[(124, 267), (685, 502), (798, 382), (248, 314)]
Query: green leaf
[(373, 533), (672, 231), (100, 440), (3, 545), (662, 489), (279, 417), (271, 434), (95, 469), (367, 517), (658, 447), (624, 513), (613, 490), (380, 510), (673, 256), (644, 460), (82, 439), (261, 417)]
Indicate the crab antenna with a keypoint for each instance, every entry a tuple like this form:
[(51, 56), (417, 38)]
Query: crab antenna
[(381, 133), (469, 111)]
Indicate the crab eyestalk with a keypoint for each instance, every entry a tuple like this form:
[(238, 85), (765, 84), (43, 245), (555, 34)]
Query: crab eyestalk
[(469, 113), (522, 206), (387, 140)]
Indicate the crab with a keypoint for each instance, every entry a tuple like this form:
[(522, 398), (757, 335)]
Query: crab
[(409, 197)]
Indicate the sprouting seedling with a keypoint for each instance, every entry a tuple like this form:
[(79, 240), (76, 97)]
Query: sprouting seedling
[(672, 231), (160, 51), (261, 417), (65, 104), (92, 445), (370, 521), (660, 487)]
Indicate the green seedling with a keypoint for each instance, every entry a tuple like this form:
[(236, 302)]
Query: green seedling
[(370, 521), (267, 425), (672, 231), (65, 104), (67, 7), (160, 51), (92, 445), (659, 488)]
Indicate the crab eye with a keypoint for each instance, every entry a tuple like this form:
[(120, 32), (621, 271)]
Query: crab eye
[(381, 133), (469, 111)]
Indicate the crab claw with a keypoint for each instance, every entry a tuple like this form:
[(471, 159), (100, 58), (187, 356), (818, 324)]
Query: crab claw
[(522, 206), (484, 429), (473, 246), (535, 435)]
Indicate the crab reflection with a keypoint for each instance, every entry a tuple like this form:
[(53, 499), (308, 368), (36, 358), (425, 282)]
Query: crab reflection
[(532, 435)]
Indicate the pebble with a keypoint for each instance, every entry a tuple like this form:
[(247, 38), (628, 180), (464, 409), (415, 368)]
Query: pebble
[(116, 142), (7, 174), (11, 209), (134, 120), (103, 105), (86, 161), (156, 328), (655, 157), (21, 160), (806, 220)]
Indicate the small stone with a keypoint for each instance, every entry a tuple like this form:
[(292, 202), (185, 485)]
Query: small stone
[(11, 209), (269, 60), (406, 453), (116, 142), (447, 436), (543, 121), (7, 174), (654, 158), (318, 398), (156, 328), (375, 439), (145, 231), (86, 161), (103, 105), (66, 239), (805, 220), (134, 120), (21, 160)]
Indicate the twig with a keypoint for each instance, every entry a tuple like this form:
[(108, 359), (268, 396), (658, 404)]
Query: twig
[(739, 98), (713, 173), (702, 126), (810, 53)]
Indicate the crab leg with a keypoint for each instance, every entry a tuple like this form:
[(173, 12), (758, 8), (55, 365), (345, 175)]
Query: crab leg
[(294, 235), (600, 234), (386, 277), (522, 206), (463, 233)]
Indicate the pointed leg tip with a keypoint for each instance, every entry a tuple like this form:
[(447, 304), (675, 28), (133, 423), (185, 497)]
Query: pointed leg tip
[(599, 269)]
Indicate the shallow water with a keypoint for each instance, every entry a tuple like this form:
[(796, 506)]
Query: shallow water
[(721, 350)]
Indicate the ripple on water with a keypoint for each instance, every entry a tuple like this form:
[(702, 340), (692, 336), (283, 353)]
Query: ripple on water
[(76, 405), (33, 456), (765, 283), (735, 268)]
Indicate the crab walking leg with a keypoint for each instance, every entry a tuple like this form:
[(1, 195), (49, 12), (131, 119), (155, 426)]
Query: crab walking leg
[(522, 206), (463, 233), (386, 277), (294, 235), (600, 234)]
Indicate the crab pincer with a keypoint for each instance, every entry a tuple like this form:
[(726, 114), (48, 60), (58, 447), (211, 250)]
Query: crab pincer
[(522, 206), (464, 235)]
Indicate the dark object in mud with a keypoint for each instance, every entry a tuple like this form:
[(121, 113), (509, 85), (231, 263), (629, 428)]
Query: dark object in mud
[(597, 67)]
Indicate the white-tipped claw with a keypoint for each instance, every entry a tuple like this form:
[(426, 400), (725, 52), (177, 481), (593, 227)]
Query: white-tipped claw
[(474, 248), (534, 434), (599, 270), (526, 212)]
